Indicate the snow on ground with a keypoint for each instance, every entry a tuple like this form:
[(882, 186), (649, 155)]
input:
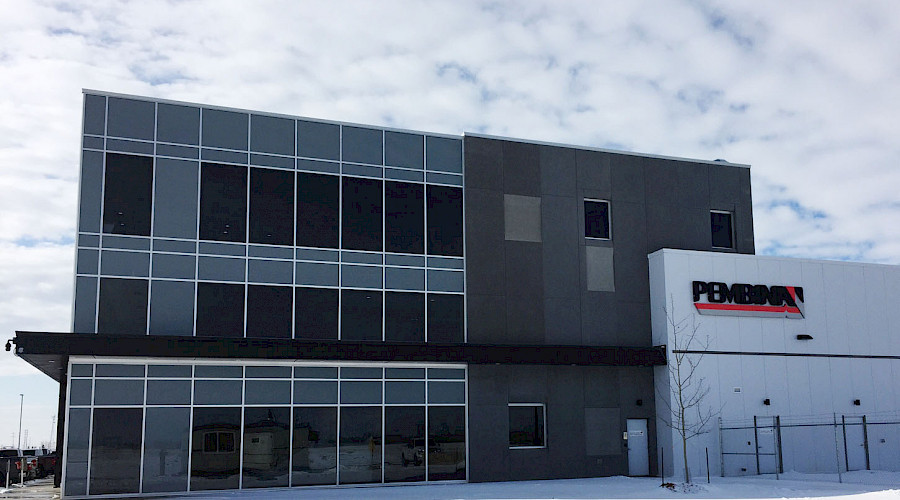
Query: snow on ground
[(861, 485)]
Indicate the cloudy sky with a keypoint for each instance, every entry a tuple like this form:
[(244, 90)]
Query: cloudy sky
[(804, 91)]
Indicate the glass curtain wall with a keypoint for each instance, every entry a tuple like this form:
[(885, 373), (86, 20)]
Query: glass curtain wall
[(136, 428)]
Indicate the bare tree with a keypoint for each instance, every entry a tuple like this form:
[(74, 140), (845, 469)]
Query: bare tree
[(687, 390)]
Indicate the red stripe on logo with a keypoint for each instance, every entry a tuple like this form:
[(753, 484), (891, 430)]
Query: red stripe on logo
[(751, 308)]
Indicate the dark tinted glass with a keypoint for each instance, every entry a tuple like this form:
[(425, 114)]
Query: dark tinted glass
[(80, 392), (445, 317), (315, 392), (361, 145), (79, 435), (268, 372), (720, 225), (269, 311), (404, 217), (318, 207), (526, 426), (361, 216), (403, 150), (404, 317), (267, 447), (404, 392), (130, 118), (360, 447), (94, 114), (215, 452), (368, 392), (446, 443), (177, 371), (596, 219), (179, 124), (224, 129), (220, 310), (404, 438), (359, 372), (318, 140), (223, 202), (118, 392), (267, 392), (213, 371), (217, 392), (116, 370), (168, 392), (446, 392), (360, 315), (127, 194), (316, 314), (269, 134), (445, 232), (315, 446), (123, 307), (166, 436), (271, 206), (116, 450)]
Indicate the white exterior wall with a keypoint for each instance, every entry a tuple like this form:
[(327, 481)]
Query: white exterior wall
[(850, 309)]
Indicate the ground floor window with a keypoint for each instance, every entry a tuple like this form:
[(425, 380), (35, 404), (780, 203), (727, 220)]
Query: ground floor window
[(526, 425), (169, 427)]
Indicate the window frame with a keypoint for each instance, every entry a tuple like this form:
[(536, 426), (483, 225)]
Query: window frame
[(543, 407), (608, 219), (731, 227)]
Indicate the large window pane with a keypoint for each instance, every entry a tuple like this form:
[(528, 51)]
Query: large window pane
[(316, 315), (116, 451), (446, 443), (271, 206), (269, 311), (223, 202), (721, 229), (267, 441), (404, 317), (361, 217), (127, 194), (76, 454), (166, 444), (526, 426), (445, 227), (220, 310), (360, 315), (404, 438), (315, 446), (318, 209), (360, 450), (215, 452), (596, 219), (404, 217), (445, 317), (123, 306)]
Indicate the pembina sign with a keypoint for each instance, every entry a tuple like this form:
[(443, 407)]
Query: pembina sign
[(741, 299)]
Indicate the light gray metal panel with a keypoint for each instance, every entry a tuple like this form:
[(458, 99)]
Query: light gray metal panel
[(175, 200), (269, 134), (172, 308), (443, 154), (207, 154), (222, 248), (91, 191), (404, 150), (270, 271), (599, 269), (88, 240), (360, 257), (362, 145), (85, 305), (127, 146), (92, 142), (114, 263), (174, 266), (270, 252), (174, 246), (179, 124), (446, 262), (177, 151), (323, 255), (400, 278), (94, 114), (309, 273), (225, 129), (404, 260), (220, 269), (522, 216), (445, 281), (438, 178), (131, 118), (361, 276), (88, 261), (126, 243)]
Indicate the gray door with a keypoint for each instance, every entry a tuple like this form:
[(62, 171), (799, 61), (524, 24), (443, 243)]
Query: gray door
[(638, 449), (854, 440)]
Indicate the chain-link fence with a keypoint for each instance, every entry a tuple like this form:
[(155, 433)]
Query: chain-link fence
[(811, 444)]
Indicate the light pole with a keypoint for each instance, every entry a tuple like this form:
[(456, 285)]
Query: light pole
[(21, 404)]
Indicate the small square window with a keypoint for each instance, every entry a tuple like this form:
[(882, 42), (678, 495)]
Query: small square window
[(526, 425), (596, 219), (721, 229)]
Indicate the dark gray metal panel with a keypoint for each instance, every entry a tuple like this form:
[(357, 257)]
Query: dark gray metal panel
[(174, 266), (594, 177), (130, 118), (404, 150), (528, 384), (724, 182), (362, 145), (225, 129), (632, 277), (525, 319), (221, 269), (91, 191), (627, 178), (629, 228), (94, 114), (270, 271), (566, 428), (484, 164), (632, 324), (601, 388), (179, 124), (172, 308), (561, 238), (598, 317), (561, 321), (488, 441), (87, 261), (175, 201), (521, 169), (443, 154), (270, 134), (524, 269), (85, 305), (558, 171), (485, 258), (486, 321), (114, 263)]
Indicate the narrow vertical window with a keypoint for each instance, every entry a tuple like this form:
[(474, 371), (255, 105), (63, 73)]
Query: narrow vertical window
[(271, 206), (721, 229), (223, 203), (127, 194), (361, 226), (445, 226), (318, 210), (404, 217), (596, 219)]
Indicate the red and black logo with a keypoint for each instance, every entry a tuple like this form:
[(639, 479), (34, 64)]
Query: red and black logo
[(741, 299)]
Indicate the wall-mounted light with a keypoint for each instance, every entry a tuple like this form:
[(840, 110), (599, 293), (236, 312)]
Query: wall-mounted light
[(766, 402), (856, 402), (804, 336), (639, 402)]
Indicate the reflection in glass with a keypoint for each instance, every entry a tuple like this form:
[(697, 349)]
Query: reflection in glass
[(446, 443), (116, 450), (360, 452), (215, 458), (315, 446), (267, 439), (404, 452), (76, 453), (166, 449)]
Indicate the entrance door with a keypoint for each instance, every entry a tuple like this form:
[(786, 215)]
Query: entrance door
[(638, 449), (854, 443)]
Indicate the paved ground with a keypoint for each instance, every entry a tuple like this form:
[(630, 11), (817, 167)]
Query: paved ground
[(39, 488)]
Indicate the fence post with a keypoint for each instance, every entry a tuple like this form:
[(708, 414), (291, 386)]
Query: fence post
[(866, 440), (756, 443), (837, 453)]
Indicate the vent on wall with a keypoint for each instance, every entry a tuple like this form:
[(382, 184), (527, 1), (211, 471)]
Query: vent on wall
[(737, 389), (804, 336)]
